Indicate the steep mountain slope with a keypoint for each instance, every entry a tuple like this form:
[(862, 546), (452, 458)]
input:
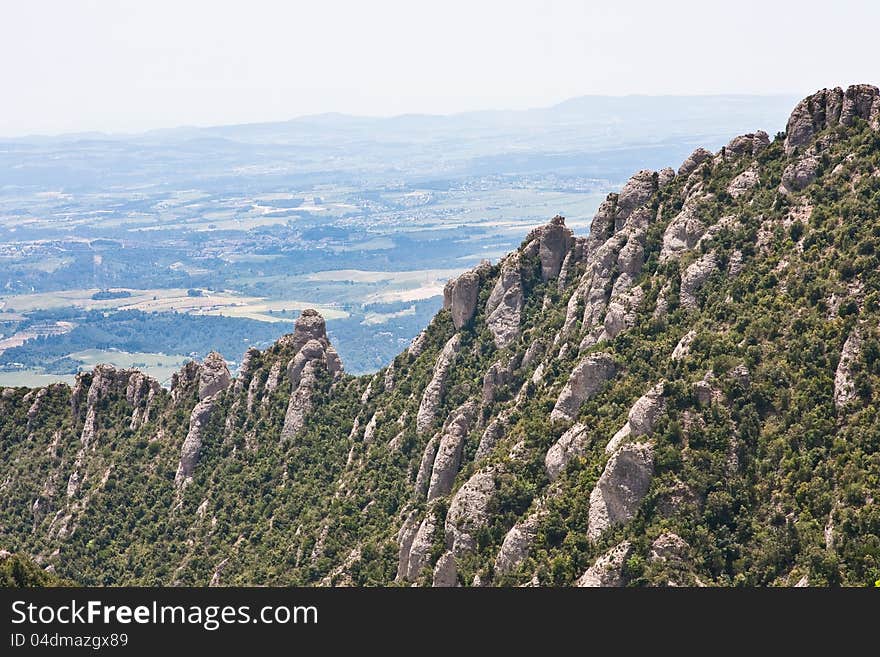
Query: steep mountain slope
[(687, 395)]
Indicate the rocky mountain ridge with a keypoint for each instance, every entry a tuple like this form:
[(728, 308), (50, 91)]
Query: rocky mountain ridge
[(684, 396)]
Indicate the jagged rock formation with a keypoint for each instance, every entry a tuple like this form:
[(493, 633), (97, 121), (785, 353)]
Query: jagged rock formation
[(585, 381), (572, 444), (448, 457), (505, 304), (844, 382), (621, 488), (608, 569), (662, 401), (313, 354), (828, 108), (436, 387), (460, 295)]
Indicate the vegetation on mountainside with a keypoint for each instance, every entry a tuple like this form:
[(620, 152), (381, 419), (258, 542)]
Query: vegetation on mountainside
[(751, 481)]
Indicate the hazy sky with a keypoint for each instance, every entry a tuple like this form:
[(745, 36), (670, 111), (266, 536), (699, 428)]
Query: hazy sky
[(119, 65)]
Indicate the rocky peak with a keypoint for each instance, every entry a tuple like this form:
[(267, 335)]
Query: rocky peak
[(460, 294), (694, 160), (213, 376), (828, 108), (749, 144), (554, 241)]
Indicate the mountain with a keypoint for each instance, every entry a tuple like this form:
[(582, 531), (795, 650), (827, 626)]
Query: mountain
[(687, 395)]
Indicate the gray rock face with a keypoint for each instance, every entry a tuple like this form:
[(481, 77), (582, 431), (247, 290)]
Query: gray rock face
[(844, 381), (213, 376), (505, 304), (445, 571), (572, 444), (555, 240), (665, 176), (517, 542), (576, 254), (621, 488), (312, 355), (309, 326), (694, 160), (460, 295), (608, 568), (683, 232), (192, 444), (140, 393), (641, 419), (405, 537), (683, 348), (636, 192), (647, 409), (669, 547), (602, 226), (799, 174), (750, 144), (420, 549), (694, 278), (436, 388), (491, 435), (426, 466), (743, 183), (448, 458), (828, 108), (417, 346), (469, 511), (586, 380)]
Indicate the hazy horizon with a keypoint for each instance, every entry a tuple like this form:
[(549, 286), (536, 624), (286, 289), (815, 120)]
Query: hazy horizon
[(130, 67)]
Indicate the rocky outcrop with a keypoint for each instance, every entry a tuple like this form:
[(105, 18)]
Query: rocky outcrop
[(637, 191), (844, 379), (213, 376), (460, 295), (743, 183), (140, 393), (445, 571), (554, 241), (419, 556), (668, 547), (405, 537), (575, 255), (799, 174), (828, 108), (693, 161), (417, 346), (750, 144), (518, 542), (426, 466), (608, 568), (505, 304), (448, 458), (665, 176), (641, 419), (695, 276), (572, 444), (192, 444), (432, 397), (621, 488), (312, 355), (683, 348), (587, 378), (683, 232), (491, 435), (469, 511)]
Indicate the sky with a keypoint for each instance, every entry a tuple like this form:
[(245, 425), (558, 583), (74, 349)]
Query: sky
[(127, 66)]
